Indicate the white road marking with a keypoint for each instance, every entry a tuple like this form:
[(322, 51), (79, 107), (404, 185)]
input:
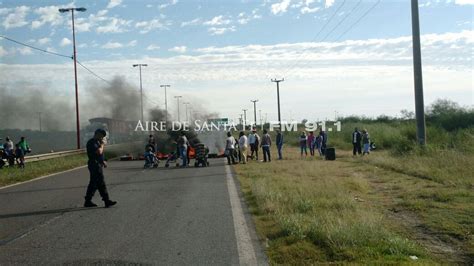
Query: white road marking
[(245, 247), (42, 177)]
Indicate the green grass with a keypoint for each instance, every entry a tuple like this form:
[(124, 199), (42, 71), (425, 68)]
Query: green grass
[(41, 168), (312, 205), (360, 211)]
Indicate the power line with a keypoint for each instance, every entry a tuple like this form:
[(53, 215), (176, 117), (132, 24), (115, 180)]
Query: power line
[(362, 17), (35, 48), (331, 31), (316, 36), (342, 20), (93, 73)]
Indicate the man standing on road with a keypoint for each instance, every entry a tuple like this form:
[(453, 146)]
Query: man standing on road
[(356, 139), (95, 164), (243, 147), (183, 144)]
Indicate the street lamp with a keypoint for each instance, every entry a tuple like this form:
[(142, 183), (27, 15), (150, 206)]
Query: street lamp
[(64, 10), (186, 104), (177, 97), (166, 101), (141, 89)]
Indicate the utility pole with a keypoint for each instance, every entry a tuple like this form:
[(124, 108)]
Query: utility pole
[(277, 81), (254, 111), (166, 102), (260, 114), (245, 118), (417, 69), (177, 97), (39, 116), (186, 104), (141, 89), (240, 119), (78, 128)]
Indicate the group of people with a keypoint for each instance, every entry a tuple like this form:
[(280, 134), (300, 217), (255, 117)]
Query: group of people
[(14, 153), (237, 151), (313, 142), (358, 138)]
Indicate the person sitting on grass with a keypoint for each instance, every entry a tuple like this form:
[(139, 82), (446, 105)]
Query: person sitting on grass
[(366, 141)]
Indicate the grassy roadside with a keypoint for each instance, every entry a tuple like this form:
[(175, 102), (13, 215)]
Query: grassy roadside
[(355, 210), (41, 168)]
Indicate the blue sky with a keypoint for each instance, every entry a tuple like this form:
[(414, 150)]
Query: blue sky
[(252, 40)]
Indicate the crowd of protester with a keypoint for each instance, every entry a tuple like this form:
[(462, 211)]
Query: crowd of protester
[(14, 154)]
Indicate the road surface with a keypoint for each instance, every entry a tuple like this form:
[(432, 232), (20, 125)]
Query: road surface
[(191, 216)]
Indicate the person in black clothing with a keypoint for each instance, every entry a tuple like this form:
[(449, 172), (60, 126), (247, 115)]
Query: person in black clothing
[(95, 164), (324, 141), (356, 139)]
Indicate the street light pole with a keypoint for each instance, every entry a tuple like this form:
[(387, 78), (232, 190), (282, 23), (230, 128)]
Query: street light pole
[(245, 118), (166, 101), (277, 81), (78, 128), (186, 104), (254, 111), (141, 88), (177, 98)]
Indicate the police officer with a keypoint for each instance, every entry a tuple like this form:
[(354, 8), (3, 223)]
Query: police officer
[(95, 153)]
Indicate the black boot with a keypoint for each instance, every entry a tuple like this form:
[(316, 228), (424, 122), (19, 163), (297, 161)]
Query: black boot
[(89, 203), (109, 203)]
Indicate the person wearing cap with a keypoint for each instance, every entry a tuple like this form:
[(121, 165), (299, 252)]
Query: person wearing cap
[(95, 164)]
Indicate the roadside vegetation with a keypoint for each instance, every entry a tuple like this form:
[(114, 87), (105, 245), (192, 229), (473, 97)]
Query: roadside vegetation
[(400, 204), (41, 168)]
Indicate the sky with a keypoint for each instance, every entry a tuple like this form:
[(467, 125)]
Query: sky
[(339, 57)]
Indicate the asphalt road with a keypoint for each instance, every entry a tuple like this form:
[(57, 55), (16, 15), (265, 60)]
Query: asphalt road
[(190, 216)]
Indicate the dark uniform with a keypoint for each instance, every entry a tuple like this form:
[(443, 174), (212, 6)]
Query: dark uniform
[(95, 165)]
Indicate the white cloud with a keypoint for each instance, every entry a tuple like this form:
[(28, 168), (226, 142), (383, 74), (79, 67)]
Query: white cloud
[(44, 41), (25, 50), (350, 73), (329, 3), (116, 45), (48, 15), (115, 25), (3, 52), (64, 42), (153, 47), (112, 45), (243, 18), (194, 22), (464, 2), (281, 7), (178, 49), (171, 3), (114, 3), (147, 26), (306, 10), (217, 21), (16, 17), (220, 30)]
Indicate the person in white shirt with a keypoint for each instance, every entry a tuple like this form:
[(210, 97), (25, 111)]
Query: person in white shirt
[(254, 141), (230, 148), (243, 146)]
